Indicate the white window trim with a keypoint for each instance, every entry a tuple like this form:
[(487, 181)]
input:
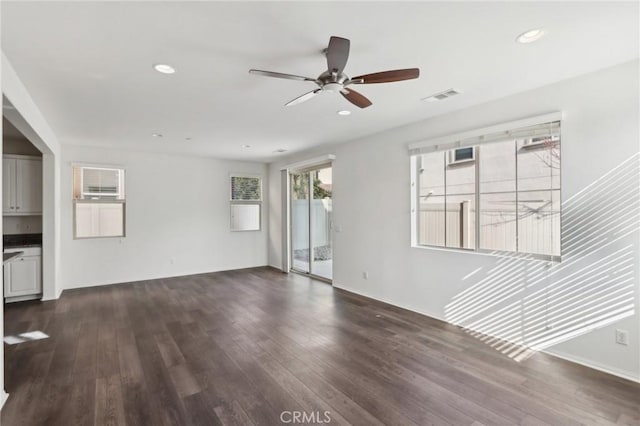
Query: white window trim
[(474, 137), (309, 164), (110, 200), (451, 160)]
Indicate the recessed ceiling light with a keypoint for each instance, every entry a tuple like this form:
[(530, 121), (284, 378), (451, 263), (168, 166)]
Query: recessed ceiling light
[(187, 139), (344, 112), (280, 150), (164, 68), (246, 146), (530, 36), (156, 135)]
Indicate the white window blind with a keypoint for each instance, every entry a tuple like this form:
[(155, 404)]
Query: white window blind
[(528, 128), (98, 183)]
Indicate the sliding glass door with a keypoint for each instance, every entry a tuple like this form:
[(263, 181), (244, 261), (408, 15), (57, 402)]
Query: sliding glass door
[(311, 218), (300, 222), (321, 218)]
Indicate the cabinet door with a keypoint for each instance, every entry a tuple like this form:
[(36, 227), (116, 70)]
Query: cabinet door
[(29, 186), (8, 186), (23, 276)]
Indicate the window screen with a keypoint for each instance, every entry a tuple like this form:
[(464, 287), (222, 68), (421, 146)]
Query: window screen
[(246, 188)]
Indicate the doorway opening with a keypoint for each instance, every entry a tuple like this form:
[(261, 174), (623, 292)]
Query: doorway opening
[(311, 214)]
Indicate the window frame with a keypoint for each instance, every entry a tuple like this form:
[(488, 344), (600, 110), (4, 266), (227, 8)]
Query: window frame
[(449, 154), (233, 202), (108, 199)]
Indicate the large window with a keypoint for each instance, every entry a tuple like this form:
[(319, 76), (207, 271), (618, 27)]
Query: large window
[(246, 203), (496, 192), (98, 202)]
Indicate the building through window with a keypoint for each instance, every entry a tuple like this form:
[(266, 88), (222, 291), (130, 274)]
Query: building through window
[(500, 194)]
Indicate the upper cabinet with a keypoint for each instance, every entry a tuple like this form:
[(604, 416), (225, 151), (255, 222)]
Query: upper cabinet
[(21, 185)]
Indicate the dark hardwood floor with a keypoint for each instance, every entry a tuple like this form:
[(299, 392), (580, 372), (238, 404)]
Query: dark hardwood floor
[(242, 347)]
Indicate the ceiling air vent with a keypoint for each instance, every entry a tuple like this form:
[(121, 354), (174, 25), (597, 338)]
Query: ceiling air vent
[(442, 95)]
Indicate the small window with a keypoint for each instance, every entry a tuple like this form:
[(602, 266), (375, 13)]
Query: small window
[(461, 155), (246, 203), (98, 202), (541, 142)]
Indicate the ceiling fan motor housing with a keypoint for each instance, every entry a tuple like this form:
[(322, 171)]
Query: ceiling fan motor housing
[(331, 81), (332, 87)]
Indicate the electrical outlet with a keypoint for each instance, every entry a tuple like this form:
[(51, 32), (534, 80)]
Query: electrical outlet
[(622, 337), (365, 275)]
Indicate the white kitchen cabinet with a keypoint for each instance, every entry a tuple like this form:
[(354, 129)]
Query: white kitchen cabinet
[(21, 185), (23, 275)]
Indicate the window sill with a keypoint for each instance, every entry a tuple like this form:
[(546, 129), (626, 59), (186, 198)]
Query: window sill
[(494, 253), (102, 237)]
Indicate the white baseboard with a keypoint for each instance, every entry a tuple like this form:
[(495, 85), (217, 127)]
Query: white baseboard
[(594, 365), (279, 268), (22, 298), (56, 297), (137, 279), (46, 299), (567, 357)]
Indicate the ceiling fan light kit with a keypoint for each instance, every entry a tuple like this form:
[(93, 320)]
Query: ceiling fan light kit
[(334, 80)]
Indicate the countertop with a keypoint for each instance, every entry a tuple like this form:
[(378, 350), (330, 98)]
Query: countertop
[(8, 257), (22, 240)]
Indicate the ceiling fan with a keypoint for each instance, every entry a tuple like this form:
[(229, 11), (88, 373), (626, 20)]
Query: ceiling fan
[(335, 80)]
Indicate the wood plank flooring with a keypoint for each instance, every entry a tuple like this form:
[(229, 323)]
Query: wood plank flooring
[(244, 347)]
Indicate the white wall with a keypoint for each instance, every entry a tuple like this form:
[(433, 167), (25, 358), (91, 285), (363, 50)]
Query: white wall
[(488, 293), (21, 225), (177, 208), (27, 118)]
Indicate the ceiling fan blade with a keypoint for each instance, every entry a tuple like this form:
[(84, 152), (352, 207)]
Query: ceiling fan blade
[(303, 98), (337, 54), (355, 98), (280, 75), (387, 76)]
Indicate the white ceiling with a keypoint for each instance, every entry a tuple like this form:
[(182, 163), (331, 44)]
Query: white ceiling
[(89, 65)]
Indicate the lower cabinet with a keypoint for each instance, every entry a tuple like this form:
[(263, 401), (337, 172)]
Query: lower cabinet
[(23, 275)]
